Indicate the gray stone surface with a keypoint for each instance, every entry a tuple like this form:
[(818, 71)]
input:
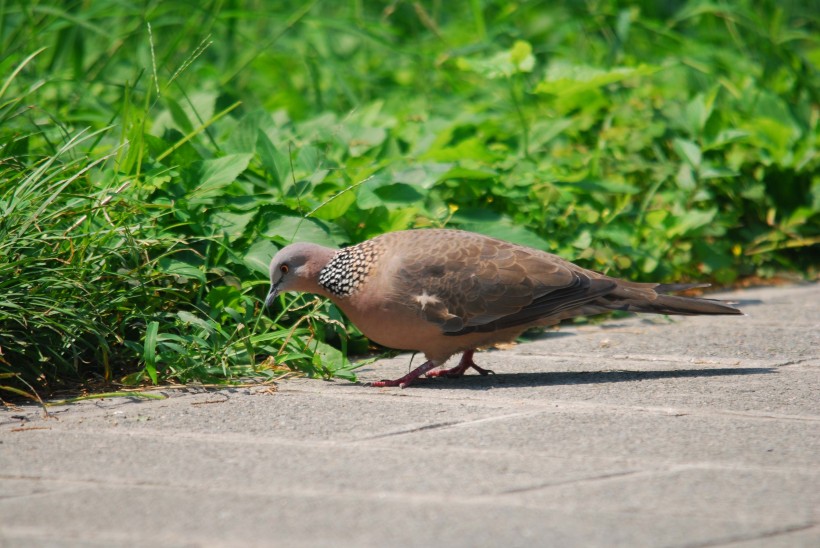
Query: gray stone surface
[(636, 432)]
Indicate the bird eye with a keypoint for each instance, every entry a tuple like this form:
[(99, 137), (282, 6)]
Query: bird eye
[(283, 269)]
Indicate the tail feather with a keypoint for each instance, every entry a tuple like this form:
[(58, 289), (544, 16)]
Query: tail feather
[(688, 306), (652, 298)]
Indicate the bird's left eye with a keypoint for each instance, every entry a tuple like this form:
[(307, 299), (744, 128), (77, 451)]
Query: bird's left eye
[(284, 269)]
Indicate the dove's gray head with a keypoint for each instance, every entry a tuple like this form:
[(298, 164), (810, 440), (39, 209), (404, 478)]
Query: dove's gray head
[(296, 268)]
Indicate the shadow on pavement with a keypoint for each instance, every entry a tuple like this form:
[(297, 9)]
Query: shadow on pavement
[(547, 378)]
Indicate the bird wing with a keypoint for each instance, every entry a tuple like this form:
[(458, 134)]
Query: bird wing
[(478, 284)]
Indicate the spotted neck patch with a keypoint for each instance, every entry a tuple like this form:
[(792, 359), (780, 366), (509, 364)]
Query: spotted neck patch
[(346, 271)]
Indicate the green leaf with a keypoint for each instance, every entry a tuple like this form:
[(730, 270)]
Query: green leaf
[(698, 111), (331, 358), (259, 255), (498, 226), (308, 160), (362, 139), (289, 229), (178, 116), (688, 151), (216, 174), (399, 194), (512, 233), (617, 234), (149, 353), (366, 198), (181, 268), (183, 156), (246, 133), (715, 172), (472, 174), (521, 56), (726, 137), (649, 264), (656, 218), (685, 177), (423, 175), (606, 186), (188, 318), (474, 215), (233, 224), (567, 79), (276, 162), (224, 296), (691, 221), (336, 205), (583, 241), (471, 148), (518, 59)]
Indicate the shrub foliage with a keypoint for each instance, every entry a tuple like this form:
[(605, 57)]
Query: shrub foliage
[(153, 157)]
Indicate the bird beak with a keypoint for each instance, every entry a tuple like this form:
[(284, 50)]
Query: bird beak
[(272, 294)]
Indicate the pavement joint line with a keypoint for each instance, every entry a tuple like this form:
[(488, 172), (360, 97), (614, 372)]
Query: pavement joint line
[(412, 430), (452, 424), (562, 405), (754, 536), (577, 481), (490, 498), (234, 439), (81, 483), (813, 361), (98, 537), (720, 363), (459, 399), (436, 499), (638, 357), (69, 486), (535, 407)]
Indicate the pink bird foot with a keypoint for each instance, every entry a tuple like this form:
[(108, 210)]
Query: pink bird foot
[(457, 371), (405, 381)]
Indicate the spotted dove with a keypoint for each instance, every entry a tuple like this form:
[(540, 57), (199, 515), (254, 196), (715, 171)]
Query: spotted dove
[(442, 292)]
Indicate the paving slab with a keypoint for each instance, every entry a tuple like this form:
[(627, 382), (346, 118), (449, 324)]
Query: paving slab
[(641, 431)]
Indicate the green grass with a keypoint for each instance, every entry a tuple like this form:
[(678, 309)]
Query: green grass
[(154, 157)]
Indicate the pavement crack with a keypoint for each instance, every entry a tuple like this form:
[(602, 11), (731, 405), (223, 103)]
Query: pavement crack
[(553, 406), (449, 424), (578, 481), (413, 430), (762, 536), (798, 362)]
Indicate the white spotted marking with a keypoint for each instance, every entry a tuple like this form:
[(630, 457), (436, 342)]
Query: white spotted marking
[(349, 268), (425, 298)]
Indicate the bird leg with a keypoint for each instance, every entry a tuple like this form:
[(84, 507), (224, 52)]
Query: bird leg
[(403, 382), (465, 364)]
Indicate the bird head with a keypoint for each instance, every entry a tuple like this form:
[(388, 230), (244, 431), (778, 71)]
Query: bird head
[(296, 268)]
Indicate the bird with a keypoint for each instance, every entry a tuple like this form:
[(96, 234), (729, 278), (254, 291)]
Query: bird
[(442, 292)]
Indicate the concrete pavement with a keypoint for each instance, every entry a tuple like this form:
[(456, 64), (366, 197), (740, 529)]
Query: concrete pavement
[(644, 431)]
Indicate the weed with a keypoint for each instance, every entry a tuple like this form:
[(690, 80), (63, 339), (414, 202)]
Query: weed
[(152, 164)]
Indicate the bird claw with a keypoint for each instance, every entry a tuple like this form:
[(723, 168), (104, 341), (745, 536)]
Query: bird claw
[(483, 372), (458, 371), (424, 369), (388, 383), (407, 380)]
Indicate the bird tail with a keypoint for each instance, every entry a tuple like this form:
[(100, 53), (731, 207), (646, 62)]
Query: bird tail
[(653, 298)]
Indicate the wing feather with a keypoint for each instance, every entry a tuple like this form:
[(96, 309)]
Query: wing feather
[(472, 283)]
